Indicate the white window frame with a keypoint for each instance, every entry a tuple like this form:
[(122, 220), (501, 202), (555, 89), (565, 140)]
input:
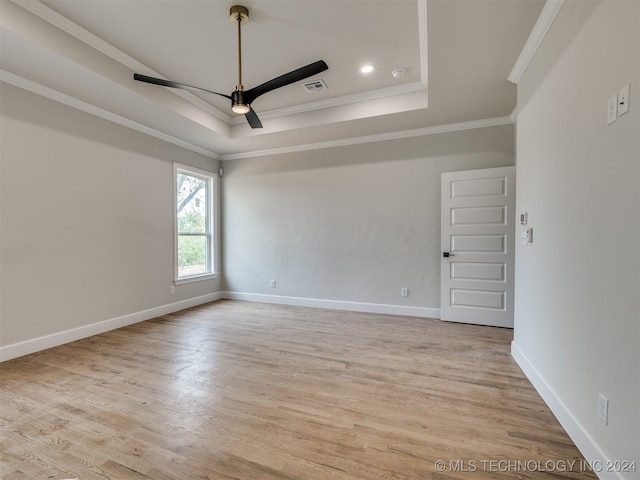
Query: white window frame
[(212, 224)]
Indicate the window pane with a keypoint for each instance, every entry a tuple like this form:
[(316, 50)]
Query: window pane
[(192, 255), (195, 252), (192, 204)]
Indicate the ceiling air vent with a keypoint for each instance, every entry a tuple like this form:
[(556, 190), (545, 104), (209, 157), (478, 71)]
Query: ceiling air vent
[(315, 86)]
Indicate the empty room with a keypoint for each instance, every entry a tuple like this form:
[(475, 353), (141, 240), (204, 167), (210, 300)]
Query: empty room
[(319, 239)]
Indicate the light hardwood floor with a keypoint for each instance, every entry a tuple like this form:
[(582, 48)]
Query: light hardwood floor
[(235, 390)]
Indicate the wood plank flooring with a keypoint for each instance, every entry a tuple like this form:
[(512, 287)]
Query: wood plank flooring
[(235, 390)]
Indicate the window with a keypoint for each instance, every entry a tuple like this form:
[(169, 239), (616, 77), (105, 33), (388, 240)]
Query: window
[(194, 225)]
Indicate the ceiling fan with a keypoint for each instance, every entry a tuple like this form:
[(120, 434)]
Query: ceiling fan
[(241, 99)]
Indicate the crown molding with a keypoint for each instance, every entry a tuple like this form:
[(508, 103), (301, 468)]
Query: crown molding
[(73, 102), (540, 29), (418, 132)]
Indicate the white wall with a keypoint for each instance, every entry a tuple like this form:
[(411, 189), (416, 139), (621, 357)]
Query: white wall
[(348, 225), (577, 322), (87, 222)]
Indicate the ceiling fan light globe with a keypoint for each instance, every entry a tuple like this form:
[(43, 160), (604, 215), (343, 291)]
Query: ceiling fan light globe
[(240, 108)]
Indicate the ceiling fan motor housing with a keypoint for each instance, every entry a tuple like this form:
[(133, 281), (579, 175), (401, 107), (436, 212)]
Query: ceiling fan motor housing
[(238, 100)]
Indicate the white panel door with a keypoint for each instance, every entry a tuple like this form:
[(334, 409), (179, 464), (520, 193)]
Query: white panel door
[(478, 229)]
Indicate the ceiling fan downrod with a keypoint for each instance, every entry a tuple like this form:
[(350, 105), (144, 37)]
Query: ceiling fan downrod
[(239, 14)]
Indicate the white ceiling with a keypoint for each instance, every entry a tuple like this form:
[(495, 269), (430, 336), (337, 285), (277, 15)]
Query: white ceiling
[(457, 54)]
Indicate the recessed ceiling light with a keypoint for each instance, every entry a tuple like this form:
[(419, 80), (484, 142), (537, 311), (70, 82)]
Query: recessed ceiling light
[(367, 69)]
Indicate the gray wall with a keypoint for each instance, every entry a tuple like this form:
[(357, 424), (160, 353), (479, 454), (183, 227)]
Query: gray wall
[(87, 223), (348, 224), (577, 322)]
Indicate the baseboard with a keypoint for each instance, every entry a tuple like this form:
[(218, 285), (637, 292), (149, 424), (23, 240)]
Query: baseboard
[(55, 339), (48, 341), (585, 443), (336, 304)]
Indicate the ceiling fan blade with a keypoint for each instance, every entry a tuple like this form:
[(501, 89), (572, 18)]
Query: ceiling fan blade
[(252, 118), (286, 79), (169, 83)]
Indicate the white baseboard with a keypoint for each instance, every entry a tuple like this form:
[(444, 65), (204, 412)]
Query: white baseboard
[(585, 443), (48, 341), (53, 340), (336, 304)]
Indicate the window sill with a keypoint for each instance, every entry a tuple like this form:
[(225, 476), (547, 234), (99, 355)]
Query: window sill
[(195, 278)]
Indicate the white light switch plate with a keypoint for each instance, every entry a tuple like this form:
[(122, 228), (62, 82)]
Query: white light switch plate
[(623, 100)]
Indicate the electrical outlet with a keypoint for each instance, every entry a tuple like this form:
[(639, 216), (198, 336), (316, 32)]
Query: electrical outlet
[(273, 284), (404, 292), (623, 100), (172, 290), (603, 408)]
